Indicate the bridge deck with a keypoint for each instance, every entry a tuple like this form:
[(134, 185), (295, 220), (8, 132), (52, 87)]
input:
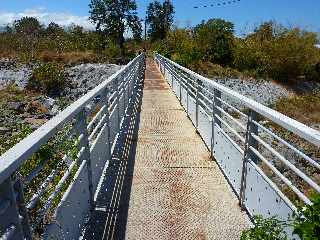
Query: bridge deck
[(177, 191)]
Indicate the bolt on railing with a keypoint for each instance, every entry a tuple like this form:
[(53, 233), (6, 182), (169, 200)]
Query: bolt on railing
[(49, 179)]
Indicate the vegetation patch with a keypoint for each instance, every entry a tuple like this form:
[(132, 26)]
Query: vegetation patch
[(49, 78), (305, 223)]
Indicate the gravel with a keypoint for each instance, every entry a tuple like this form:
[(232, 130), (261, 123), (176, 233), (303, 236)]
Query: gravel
[(264, 92), (85, 77), (82, 78), (11, 72)]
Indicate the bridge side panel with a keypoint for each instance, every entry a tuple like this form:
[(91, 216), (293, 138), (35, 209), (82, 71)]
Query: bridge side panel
[(262, 198), (184, 96), (205, 127), (99, 155), (229, 158), (192, 109), (73, 210), (113, 124)]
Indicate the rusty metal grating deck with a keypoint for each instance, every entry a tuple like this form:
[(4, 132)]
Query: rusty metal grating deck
[(177, 191)]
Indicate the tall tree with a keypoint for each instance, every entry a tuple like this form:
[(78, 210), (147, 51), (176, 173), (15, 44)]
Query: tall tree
[(29, 26), (215, 40), (54, 29), (29, 30), (114, 17), (160, 19)]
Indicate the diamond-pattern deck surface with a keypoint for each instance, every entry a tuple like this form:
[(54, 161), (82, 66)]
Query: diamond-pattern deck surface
[(177, 191)]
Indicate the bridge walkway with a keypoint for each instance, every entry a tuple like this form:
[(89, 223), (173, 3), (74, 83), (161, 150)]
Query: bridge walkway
[(177, 191), (163, 181)]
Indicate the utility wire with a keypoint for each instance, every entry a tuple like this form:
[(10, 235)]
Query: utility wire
[(219, 4)]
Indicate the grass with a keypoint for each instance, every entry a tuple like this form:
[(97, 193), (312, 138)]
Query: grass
[(70, 58), (304, 108)]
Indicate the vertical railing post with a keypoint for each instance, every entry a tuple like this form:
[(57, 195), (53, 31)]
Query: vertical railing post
[(10, 224), (197, 102), (180, 88), (82, 129), (172, 83), (18, 187), (187, 96), (105, 99), (124, 91), (248, 154), (216, 104), (118, 101)]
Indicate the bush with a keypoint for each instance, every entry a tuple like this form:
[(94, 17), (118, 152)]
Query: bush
[(49, 78), (280, 53), (265, 229), (307, 222)]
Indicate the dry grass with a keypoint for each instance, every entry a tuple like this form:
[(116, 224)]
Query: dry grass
[(68, 57), (304, 108)]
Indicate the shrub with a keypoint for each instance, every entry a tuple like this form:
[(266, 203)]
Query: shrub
[(48, 78), (265, 229), (280, 53), (307, 222), (215, 39), (214, 70)]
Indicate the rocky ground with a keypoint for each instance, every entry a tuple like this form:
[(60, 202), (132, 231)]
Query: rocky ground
[(19, 109), (264, 92)]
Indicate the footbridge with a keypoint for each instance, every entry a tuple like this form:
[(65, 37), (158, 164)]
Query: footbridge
[(157, 151)]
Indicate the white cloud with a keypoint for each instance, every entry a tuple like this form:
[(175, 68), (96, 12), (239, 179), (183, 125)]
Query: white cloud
[(45, 17)]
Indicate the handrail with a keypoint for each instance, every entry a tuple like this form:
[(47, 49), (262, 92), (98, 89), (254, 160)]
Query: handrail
[(14, 157), (290, 124), (78, 144), (259, 171)]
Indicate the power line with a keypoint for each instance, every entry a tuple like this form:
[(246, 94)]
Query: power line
[(219, 4)]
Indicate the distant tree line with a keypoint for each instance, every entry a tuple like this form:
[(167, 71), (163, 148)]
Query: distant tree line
[(211, 47), (271, 51)]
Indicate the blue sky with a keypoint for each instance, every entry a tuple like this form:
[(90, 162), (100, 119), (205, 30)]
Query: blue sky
[(244, 14)]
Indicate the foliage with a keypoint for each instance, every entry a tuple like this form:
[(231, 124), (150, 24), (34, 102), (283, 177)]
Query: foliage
[(160, 19), (304, 108), (9, 142), (72, 45), (48, 78), (113, 18), (307, 222), (215, 40), (265, 229), (28, 26), (54, 30), (280, 53)]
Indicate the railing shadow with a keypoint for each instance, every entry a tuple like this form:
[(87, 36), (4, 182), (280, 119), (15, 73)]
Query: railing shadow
[(109, 219)]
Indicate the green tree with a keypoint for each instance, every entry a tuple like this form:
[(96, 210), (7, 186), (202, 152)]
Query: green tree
[(160, 19), (29, 29), (215, 40), (54, 29), (28, 26), (114, 17)]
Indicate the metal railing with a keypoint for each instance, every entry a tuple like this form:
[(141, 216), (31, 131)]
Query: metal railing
[(259, 150), (48, 180)]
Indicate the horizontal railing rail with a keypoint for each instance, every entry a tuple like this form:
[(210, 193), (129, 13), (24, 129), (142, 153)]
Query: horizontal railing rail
[(48, 180), (262, 153)]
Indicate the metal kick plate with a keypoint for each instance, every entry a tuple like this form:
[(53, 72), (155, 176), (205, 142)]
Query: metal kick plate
[(205, 126), (73, 210), (99, 155), (113, 124), (229, 159)]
